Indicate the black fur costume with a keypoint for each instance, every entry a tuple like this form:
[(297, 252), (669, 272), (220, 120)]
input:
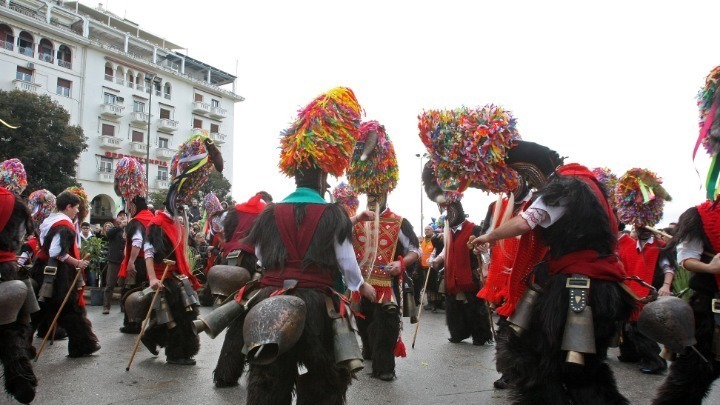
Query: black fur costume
[(324, 382), (380, 329), (141, 277), (73, 318), (690, 376), (179, 342), (469, 317), (534, 359), (231, 362), (15, 347)]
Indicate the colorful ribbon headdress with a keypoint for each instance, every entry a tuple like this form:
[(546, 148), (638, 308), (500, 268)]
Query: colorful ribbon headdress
[(84, 201), (374, 168), (608, 179), (709, 138), (13, 176), (190, 168), (323, 135), (346, 196), (640, 198), (41, 204), (130, 179)]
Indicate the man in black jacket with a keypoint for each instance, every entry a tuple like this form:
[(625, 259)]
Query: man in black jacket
[(116, 254)]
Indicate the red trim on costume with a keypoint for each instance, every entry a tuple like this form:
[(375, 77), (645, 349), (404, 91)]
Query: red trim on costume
[(458, 267), (7, 256), (144, 217), (171, 229), (710, 218), (7, 205)]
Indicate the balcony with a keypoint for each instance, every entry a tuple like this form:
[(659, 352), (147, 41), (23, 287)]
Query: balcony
[(46, 57), (164, 153), (112, 111), (64, 63), (139, 119), (201, 108), (168, 125), (218, 112), (6, 45), (22, 85), (162, 183), (110, 142), (27, 51), (140, 87), (106, 176), (138, 148), (120, 81), (218, 137)]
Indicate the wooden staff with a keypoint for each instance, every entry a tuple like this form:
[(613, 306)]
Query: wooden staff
[(168, 263), (482, 280), (53, 325), (422, 299), (659, 232)]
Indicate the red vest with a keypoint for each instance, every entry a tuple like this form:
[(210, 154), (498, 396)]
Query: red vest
[(245, 222), (296, 240), (144, 217), (710, 218), (458, 267)]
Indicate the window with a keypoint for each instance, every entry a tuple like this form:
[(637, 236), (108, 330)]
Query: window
[(63, 87), (167, 90), (164, 114), (109, 73), (138, 106), (198, 97), (214, 128), (158, 88), (109, 98), (163, 143), (24, 74), (162, 173), (137, 136), (106, 165), (215, 103), (45, 50), (197, 123), (108, 130)]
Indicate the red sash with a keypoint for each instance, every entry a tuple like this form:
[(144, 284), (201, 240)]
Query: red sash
[(144, 217), (458, 267), (245, 222), (296, 240), (171, 229)]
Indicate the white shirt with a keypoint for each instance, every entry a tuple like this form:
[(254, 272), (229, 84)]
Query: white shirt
[(543, 215), (689, 249), (45, 227)]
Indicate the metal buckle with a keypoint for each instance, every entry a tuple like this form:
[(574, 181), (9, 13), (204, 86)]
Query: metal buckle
[(234, 254), (715, 305), (573, 282), (50, 270)]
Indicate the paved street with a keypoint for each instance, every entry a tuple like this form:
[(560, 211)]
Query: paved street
[(435, 372)]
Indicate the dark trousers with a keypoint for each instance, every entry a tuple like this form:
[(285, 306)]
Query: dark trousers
[(110, 282)]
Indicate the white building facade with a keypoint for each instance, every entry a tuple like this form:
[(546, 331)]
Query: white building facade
[(114, 78)]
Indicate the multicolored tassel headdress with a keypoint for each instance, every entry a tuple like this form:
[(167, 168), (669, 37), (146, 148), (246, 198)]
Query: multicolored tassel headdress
[(323, 135), (468, 147), (130, 179), (640, 198), (190, 168), (41, 204), (84, 201), (709, 138), (13, 176), (608, 179), (346, 196), (373, 169)]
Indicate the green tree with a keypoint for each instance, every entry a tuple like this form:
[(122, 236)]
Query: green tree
[(218, 184), (45, 142)]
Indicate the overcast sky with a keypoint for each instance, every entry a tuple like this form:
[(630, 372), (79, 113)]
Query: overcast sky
[(611, 84)]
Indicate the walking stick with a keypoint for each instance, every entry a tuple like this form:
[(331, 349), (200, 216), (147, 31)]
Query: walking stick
[(53, 325), (422, 300), (168, 263), (481, 276)]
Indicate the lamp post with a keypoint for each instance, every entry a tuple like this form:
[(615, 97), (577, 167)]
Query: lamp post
[(422, 214), (151, 79)]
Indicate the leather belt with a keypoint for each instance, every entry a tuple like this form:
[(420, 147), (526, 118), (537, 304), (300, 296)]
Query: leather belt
[(579, 287)]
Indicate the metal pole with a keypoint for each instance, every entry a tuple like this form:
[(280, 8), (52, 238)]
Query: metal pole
[(422, 214), (147, 152)]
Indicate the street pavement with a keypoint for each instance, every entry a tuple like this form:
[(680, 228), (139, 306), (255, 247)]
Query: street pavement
[(435, 372)]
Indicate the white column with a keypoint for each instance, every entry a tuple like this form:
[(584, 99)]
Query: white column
[(209, 75), (154, 54), (182, 65), (48, 13), (127, 42)]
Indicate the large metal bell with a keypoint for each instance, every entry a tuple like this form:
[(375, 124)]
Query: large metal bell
[(520, 319), (12, 298), (137, 304), (225, 280), (670, 321), (272, 327), (219, 319)]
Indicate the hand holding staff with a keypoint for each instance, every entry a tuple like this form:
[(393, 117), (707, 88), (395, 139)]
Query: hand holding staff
[(168, 263), (51, 329)]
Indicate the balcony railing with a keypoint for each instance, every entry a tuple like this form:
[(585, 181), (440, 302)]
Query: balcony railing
[(105, 176), (64, 63), (139, 119), (26, 51), (112, 111), (218, 112), (167, 96), (162, 183), (110, 142), (109, 78), (120, 81), (7, 45), (165, 124), (138, 148), (26, 86), (46, 57), (164, 153), (140, 87), (218, 137), (201, 107)]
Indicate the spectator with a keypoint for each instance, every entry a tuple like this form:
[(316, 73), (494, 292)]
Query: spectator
[(116, 253), (224, 205), (85, 233), (151, 208), (194, 212)]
